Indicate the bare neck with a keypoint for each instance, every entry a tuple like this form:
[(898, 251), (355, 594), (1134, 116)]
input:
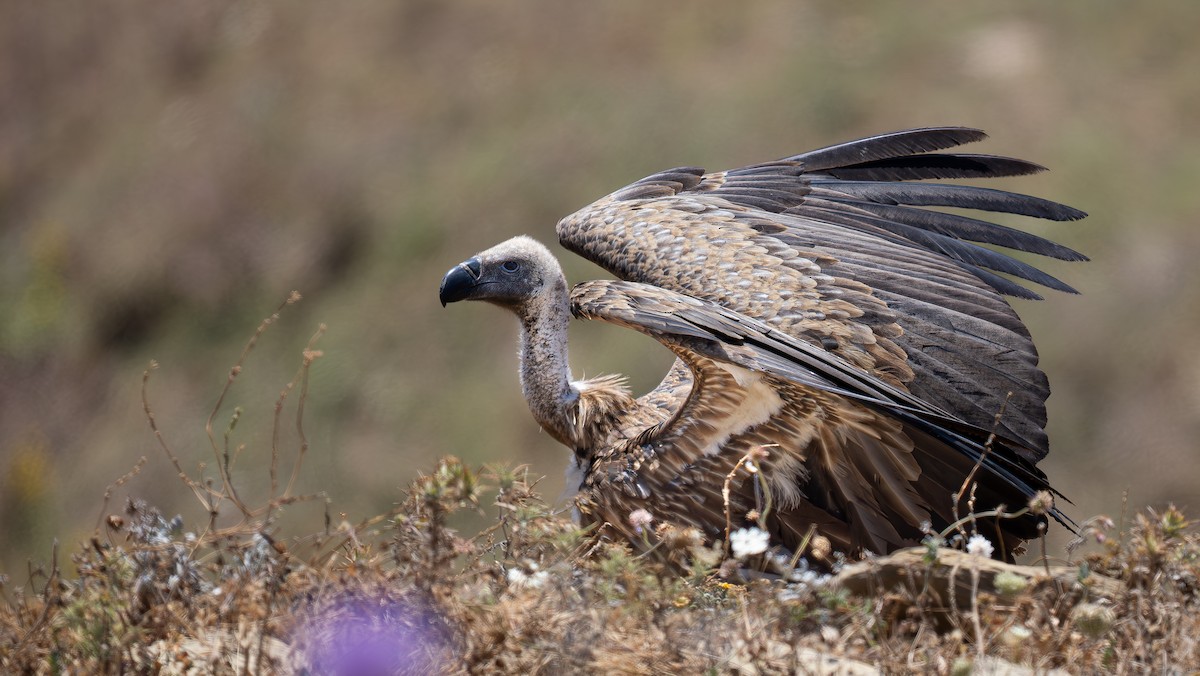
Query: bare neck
[(545, 372)]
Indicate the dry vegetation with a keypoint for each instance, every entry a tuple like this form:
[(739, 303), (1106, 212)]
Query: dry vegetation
[(407, 592)]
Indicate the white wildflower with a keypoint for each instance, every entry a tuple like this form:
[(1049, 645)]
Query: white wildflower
[(748, 542), (519, 579), (978, 545)]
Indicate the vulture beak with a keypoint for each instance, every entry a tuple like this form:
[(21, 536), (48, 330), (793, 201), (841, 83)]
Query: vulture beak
[(459, 282)]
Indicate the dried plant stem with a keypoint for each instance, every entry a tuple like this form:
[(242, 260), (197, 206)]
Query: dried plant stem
[(1042, 539), (121, 481), (977, 623), (275, 421), (808, 536), (197, 490), (227, 464), (725, 492), (292, 298), (998, 513), (310, 355), (48, 603), (987, 449)]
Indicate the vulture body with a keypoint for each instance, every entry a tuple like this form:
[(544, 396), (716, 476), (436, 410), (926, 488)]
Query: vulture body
[(861, 345)]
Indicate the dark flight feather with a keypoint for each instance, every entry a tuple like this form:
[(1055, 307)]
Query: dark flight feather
[(935, 165), (939, 195), (887, 146), (964, 227)]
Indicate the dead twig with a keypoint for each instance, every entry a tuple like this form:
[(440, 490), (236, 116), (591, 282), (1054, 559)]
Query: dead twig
[(196, 489), (228, 490), (748, 458), (121, 481), (310, 355)]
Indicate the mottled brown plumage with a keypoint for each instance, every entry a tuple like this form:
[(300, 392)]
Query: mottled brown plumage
[(817, 313)]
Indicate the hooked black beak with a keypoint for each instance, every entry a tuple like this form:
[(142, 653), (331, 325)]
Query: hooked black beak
[(458, 283)]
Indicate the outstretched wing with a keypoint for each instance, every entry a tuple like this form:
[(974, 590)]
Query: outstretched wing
[(830, 248), (863, 459)]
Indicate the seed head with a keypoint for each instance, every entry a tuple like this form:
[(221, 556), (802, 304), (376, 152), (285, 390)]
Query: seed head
[(640, 519), (1041, 502), (820, 548)]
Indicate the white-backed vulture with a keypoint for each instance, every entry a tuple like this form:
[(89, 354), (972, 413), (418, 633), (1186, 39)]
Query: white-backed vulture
[(818, 313)]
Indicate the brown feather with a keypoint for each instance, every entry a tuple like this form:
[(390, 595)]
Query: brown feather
[(858, 346)]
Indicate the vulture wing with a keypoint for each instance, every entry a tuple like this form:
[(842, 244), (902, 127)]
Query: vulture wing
[(865, 460), (819, 309), (828, 247)]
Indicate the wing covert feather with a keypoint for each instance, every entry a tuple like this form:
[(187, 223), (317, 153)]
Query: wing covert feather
[(829, 248), (842, 441)]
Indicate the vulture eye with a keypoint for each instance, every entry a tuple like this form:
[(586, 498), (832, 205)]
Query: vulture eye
[(510, 266)]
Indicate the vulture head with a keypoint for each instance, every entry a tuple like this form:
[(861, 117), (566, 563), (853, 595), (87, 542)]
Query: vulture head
[(522, 276), (514, 274)]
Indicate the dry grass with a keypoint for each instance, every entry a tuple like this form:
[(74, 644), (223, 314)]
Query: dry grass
[(407, 592)]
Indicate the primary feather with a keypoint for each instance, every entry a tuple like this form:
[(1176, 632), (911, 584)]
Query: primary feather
[(816, 313)]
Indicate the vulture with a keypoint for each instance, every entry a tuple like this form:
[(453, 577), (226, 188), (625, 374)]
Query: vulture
[(856, 345)]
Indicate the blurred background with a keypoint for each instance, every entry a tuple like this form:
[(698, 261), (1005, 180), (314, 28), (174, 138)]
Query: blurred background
[(170, 171)]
